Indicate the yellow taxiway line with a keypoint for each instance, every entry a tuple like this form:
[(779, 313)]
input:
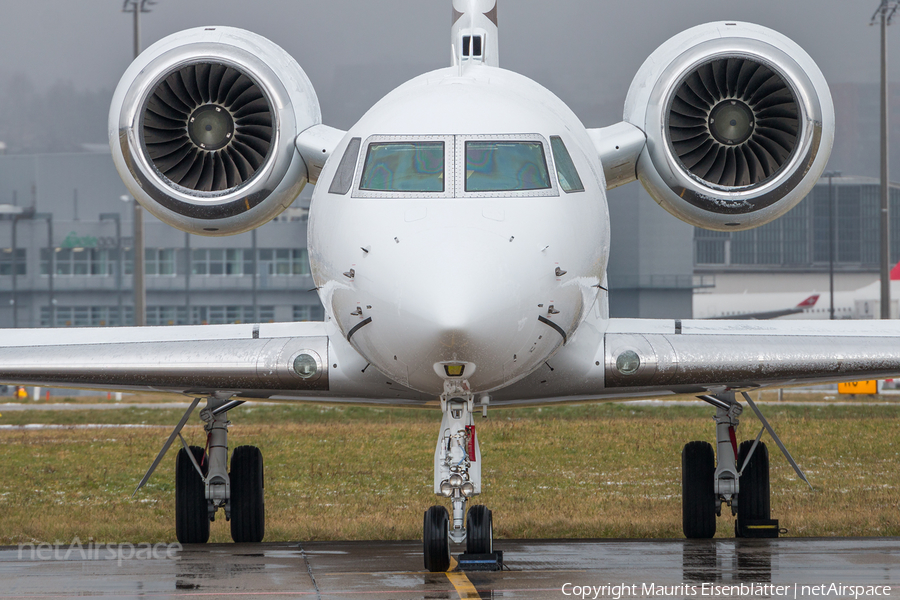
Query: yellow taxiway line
[(463, 586)]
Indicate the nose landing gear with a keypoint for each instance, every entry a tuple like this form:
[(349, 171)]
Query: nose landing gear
[(457, 475)]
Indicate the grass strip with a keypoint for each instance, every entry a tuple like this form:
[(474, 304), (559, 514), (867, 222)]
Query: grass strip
[(606, 470)]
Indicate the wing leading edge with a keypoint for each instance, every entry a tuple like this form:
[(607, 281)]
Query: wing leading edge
[(248, 361), (641, 358), (632, 358)]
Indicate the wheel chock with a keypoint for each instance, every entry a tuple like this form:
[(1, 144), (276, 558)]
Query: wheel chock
[(762, 528), (481, 562)]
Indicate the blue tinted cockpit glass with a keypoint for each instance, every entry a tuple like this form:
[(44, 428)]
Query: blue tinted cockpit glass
[(404, 167), (505, 167)]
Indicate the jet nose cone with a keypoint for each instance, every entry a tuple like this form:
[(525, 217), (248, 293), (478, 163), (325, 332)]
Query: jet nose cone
[(461, 295)]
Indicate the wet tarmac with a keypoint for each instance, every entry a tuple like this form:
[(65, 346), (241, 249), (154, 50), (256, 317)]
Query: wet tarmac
[(784, 568)]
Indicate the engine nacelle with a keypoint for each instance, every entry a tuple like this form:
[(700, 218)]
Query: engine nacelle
[(202, 128), (739, 124)]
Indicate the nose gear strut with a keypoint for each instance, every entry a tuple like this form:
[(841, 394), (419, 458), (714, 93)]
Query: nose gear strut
[(457, 476)]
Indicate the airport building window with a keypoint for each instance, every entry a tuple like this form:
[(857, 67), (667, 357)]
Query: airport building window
[(102, 262), (80, 262), (709, 252), (128, 262), (6, 261), (202, 315), (308, 312), (167, 315), (222, 261), (159, 261), (104, 316), (283, 261), (85, 316), (218, 315), (404, 167), (801, 238)]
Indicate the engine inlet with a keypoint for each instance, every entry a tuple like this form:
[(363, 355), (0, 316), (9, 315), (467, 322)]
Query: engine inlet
[(733, 122), (207, 127)]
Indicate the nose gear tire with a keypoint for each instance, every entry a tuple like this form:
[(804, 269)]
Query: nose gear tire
[(436, 539), (479, 530)]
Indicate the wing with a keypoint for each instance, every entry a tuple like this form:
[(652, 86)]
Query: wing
[(631, 358), (639, 358), (288, 361)]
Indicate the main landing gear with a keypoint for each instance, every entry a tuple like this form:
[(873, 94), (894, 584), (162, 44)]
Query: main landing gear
[(706, 486), (203, 484), (457, 475)]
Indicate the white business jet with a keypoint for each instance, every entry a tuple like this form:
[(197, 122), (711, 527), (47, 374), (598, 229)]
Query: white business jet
[(458, 238)]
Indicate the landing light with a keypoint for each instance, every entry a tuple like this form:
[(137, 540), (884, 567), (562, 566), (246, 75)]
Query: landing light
[(446, 488), (628, 362), (454, 370), (305, 366)]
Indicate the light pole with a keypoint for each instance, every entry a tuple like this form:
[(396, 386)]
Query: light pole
[(15, 269), (187, 278), (117, 218), (831, 241), (136, 7), (137, 270), (255, 252), (886, 11), (15, 213), (51, 263)]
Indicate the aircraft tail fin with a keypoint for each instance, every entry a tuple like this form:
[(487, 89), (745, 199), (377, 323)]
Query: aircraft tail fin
[(473, 34), (895, 272), (809, 302)]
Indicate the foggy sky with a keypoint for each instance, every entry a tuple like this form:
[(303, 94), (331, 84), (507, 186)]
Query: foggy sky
[(591, 43), (354, 51)]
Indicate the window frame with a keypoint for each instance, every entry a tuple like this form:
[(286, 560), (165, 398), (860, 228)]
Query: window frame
[(340, 186), (549, 164), (449, 167), (454, 156), (564, 150)]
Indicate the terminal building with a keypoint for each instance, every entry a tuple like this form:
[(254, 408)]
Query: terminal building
[(66, 231), (793, 253)]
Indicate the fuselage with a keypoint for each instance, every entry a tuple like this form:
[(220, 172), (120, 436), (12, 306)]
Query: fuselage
[(453, 241)]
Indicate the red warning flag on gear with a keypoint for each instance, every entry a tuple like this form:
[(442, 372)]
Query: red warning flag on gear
[(470, 442)]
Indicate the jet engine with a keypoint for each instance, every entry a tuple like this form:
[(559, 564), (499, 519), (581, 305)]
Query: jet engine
[(202, 128), (739, 124)]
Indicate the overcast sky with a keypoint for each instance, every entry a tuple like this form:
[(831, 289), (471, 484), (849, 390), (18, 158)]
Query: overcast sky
[(582, 49)]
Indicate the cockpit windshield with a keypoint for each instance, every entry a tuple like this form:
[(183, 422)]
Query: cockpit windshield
[(501, 166), (404, 167)]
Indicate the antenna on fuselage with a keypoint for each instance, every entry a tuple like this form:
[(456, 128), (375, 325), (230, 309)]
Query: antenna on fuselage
[(473, 33)]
